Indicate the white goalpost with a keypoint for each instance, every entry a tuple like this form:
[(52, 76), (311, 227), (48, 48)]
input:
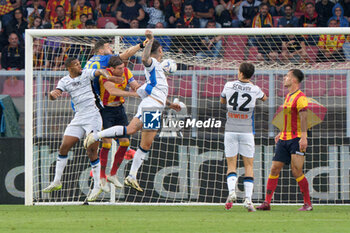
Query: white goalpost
[(187, 165)]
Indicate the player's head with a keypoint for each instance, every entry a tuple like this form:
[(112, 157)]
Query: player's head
[(246, 70), (102, 47), (116, 65), (73, 66), (156, 50), (293, 77)]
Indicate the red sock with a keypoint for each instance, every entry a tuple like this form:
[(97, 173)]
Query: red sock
[(118, 159), (104, 158), (304, 188), (271, 187)]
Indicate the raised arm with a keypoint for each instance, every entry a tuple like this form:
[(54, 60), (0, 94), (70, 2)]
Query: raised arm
[(132, 50), (146, 55)]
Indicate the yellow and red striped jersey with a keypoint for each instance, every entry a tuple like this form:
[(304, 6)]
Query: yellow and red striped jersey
[(293, 104), (106, 97)]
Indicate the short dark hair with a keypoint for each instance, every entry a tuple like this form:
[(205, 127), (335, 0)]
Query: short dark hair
[(288, 5), (263, 4), (297, 74), (155, 46), (247, 69), (115, 61), (309, 3), (69, 61), (59, 6), (99, 44)]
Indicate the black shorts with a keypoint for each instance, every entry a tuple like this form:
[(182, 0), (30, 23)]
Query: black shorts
[(112, 116), (285, 148)]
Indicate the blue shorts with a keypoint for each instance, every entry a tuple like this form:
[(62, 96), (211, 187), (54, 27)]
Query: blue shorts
[(112, 116), (285, 148)]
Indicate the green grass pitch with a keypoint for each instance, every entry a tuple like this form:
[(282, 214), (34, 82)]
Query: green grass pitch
[(72, 219)]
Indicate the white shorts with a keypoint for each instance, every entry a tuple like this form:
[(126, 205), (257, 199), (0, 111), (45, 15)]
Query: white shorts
[(239, 143), (148, 104), (78, 127)]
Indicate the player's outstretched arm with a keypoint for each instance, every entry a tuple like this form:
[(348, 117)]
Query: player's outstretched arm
[(109, 77), (54, 94), (146, 55), (110, 87), (132, 50)]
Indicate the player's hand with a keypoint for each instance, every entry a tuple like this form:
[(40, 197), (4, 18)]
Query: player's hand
[(302, 144), (55, 94), (149, 34), (175, 106), (277, 137)]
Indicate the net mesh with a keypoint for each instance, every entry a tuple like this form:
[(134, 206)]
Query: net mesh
[(189, 165)]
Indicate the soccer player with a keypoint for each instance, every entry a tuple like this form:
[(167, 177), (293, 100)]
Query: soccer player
[(87, 118), (113, 114), (291, 143), (103, 53), (240, 97), (154, 96)]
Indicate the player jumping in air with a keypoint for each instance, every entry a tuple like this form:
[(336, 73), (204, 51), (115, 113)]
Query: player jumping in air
[(154, 96), (103, 53), (87, 118), (240, 97), (291, 143), (113, 113)]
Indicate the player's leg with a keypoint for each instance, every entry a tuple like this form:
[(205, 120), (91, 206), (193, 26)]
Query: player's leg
[(231, 150), (297, 171), (282, 156), (96, 170), (118, 159), (94, 125), (115, 131), (67, 143), (147, 138), (120, 118), (247, 150)]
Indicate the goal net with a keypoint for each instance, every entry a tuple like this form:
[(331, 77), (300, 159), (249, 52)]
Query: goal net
[(187, 164)]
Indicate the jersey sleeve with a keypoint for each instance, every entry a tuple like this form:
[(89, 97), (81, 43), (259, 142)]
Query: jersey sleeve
[(259, 94), (302, 103), (61, 85), (151, 67), (130, 77), (89, 73)]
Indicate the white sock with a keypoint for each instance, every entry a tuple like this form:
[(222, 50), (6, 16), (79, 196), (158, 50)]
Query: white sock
[(110, 132), (248, 187), (60, 165), (231, 181), (137, 162), (96, 167)]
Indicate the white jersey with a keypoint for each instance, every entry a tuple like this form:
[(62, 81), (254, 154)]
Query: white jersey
[(80, 89), (156, 82), (240, 98)]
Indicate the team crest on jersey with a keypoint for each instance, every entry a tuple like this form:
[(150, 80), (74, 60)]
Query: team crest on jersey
[(151, 119)]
